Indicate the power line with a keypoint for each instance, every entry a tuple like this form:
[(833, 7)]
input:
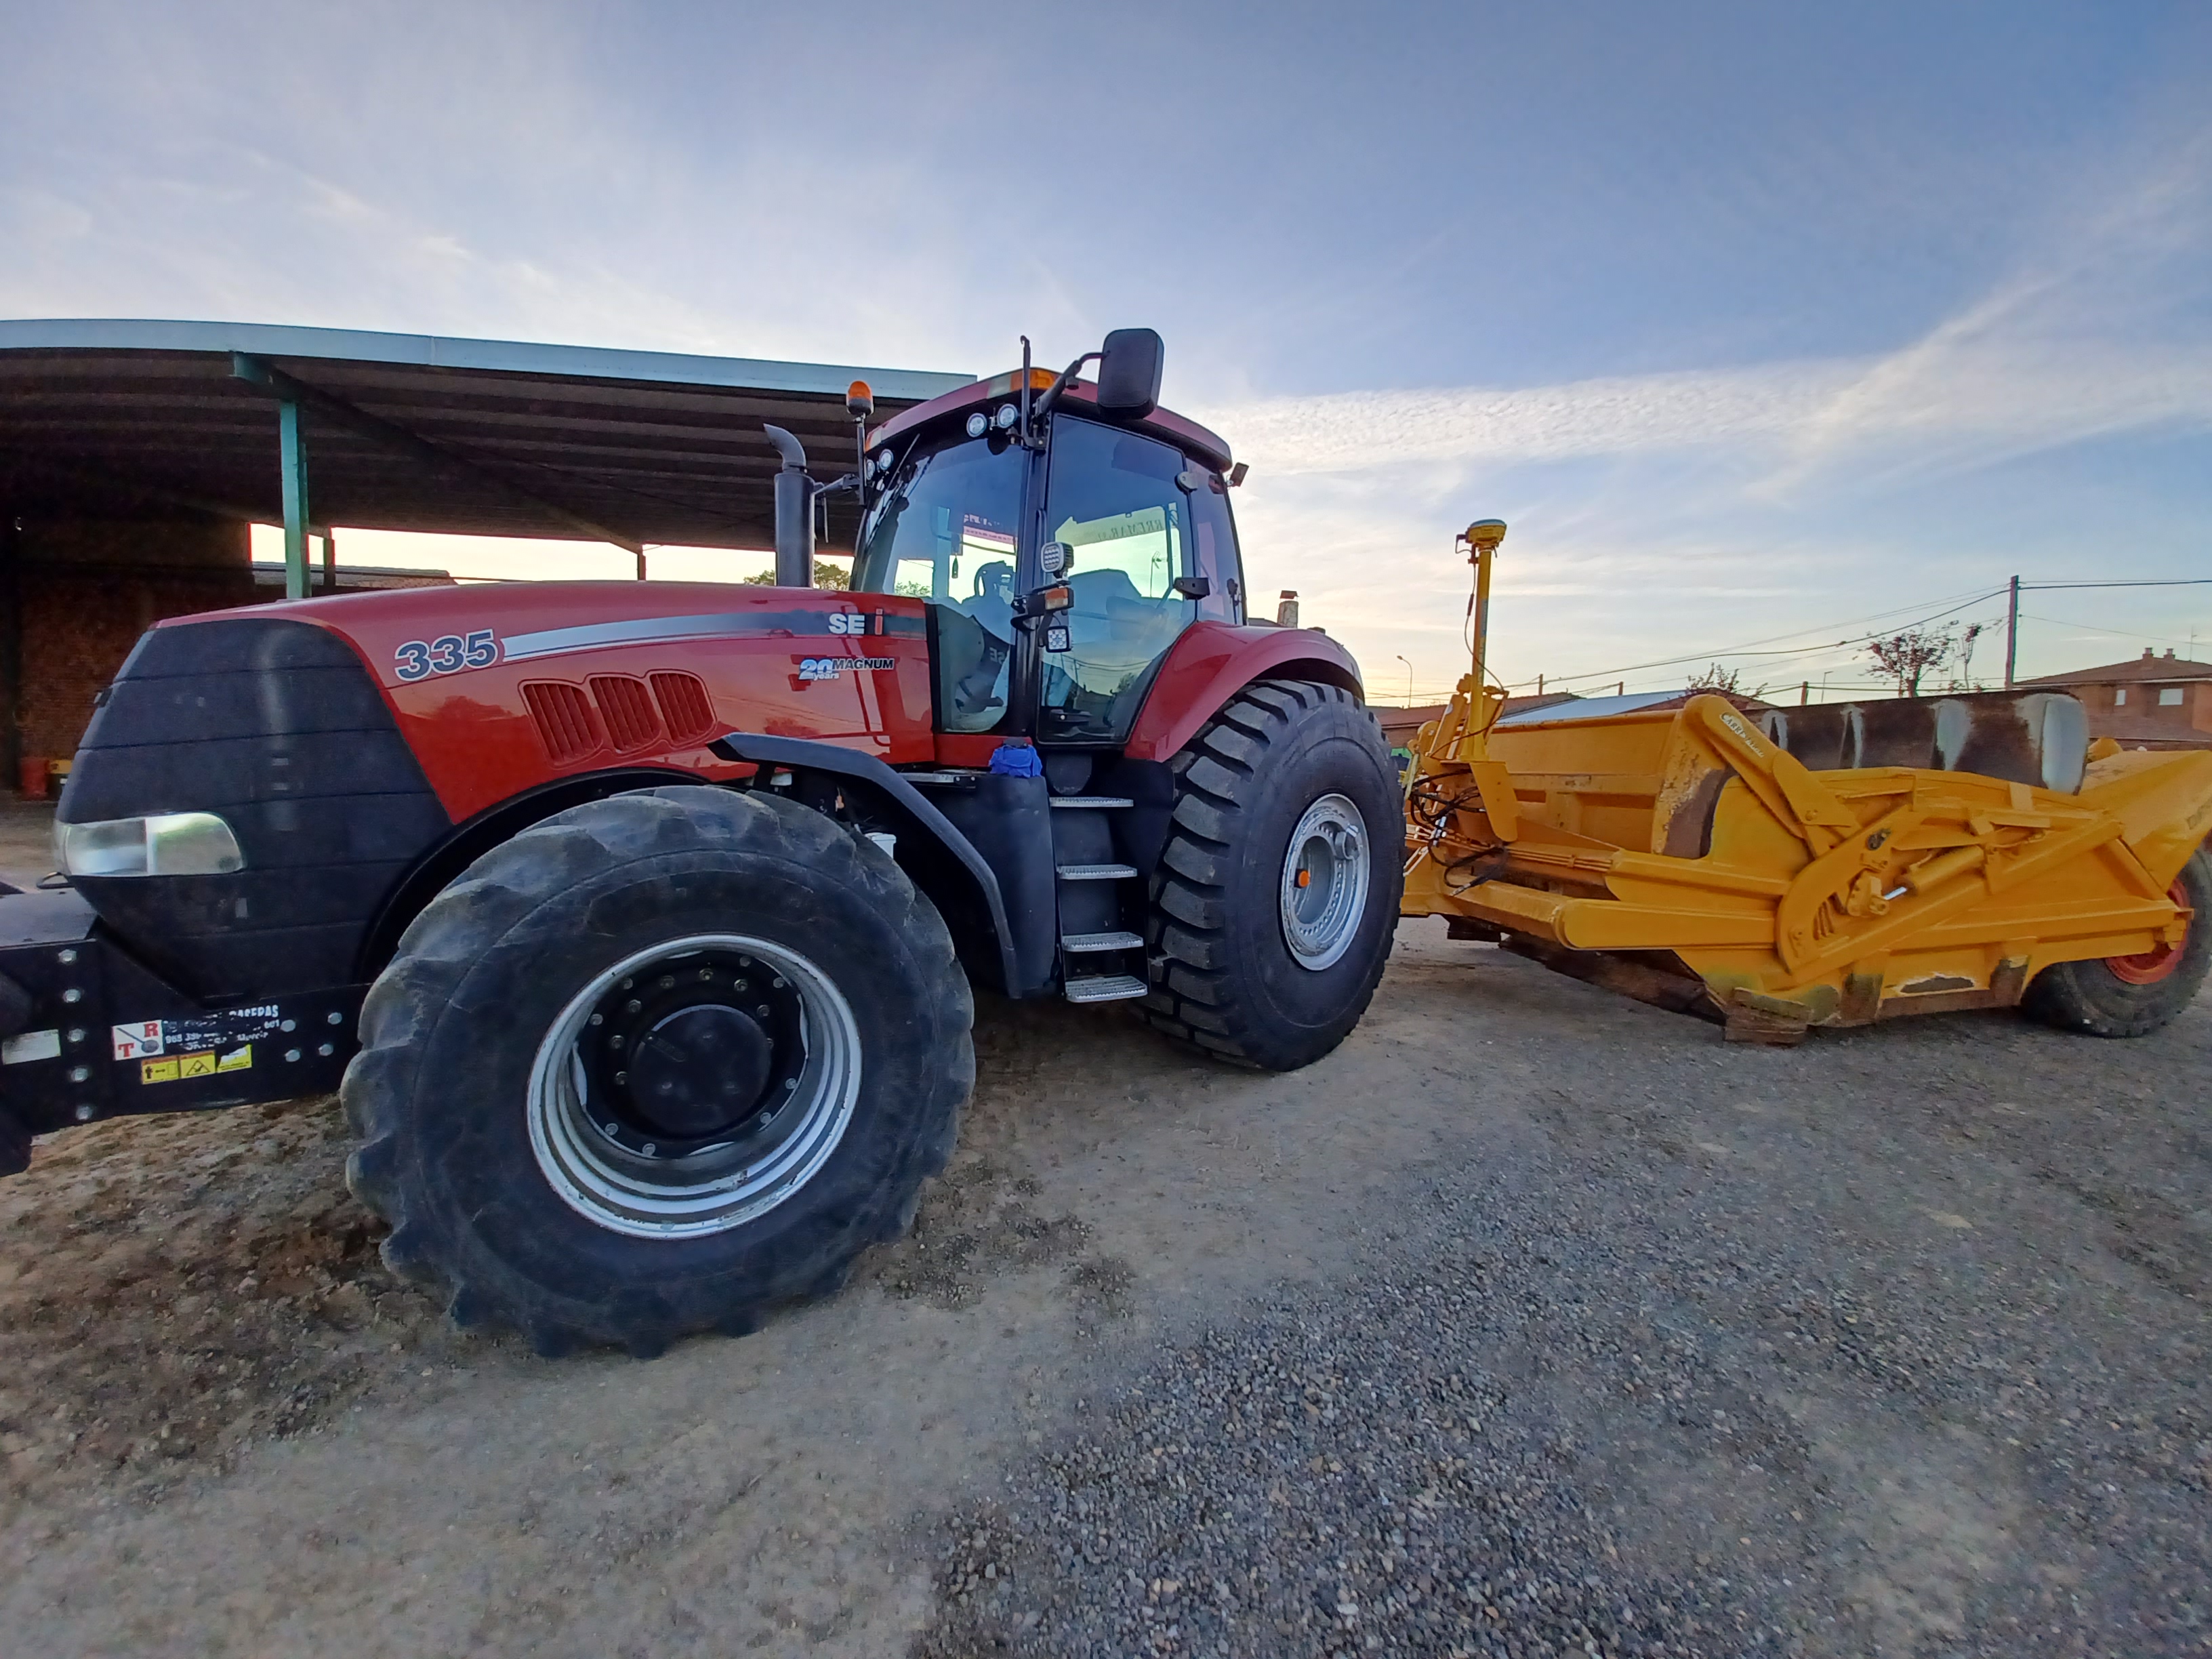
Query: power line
[(2177, 582), (1793, 650)]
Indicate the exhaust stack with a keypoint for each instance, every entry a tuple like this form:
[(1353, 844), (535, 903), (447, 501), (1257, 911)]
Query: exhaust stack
[(794, 513)]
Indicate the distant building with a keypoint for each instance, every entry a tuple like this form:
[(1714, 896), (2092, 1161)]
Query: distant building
[(1401, 726), (2150, 702)]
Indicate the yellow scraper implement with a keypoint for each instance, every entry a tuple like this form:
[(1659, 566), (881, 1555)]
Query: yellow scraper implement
[(1781, 869)]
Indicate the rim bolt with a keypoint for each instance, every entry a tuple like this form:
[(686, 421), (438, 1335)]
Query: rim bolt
[(761, 1010), (621, 1077), (616, 1041), (791, 1083), (777, 982), (668, 981), (632, 1005), (649, 1149), (706, 973), (599, 1020)]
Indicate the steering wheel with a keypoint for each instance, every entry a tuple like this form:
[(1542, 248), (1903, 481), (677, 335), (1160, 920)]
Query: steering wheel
[(983, 572)]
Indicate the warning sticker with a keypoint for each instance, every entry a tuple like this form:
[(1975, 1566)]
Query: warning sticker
[(233, 1031), (178, 1067), (137, 1041), (237, 1060)]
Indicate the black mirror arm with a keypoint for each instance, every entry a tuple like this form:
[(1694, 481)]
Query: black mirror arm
[(1066, 379)]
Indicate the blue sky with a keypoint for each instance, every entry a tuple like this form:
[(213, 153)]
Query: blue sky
[(1754, 320)]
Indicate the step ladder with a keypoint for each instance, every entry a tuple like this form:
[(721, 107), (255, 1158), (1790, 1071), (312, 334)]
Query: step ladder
[(1102, 958)]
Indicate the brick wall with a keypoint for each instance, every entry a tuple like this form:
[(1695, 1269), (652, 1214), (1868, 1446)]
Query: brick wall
[(78, 594), (79, 626)]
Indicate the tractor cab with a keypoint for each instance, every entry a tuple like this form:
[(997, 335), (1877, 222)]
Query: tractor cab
[(1064, 533)]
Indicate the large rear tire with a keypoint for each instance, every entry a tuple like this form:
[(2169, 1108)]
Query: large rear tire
[(1276, 899), (2133, 996), (656, 1065)]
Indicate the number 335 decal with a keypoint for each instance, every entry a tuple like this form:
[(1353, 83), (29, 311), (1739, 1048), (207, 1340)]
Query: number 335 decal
[(449, 654)]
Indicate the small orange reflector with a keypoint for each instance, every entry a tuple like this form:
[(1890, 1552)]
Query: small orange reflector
[(1305, 877)]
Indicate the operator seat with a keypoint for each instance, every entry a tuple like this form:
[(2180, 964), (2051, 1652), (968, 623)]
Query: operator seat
[(1111, 622)]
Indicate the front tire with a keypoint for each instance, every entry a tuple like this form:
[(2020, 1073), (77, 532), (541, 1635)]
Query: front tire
[(656, 1065), (1276, 898), (2133, 996)]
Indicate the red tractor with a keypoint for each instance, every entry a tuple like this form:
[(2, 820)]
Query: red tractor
[(639, 919)]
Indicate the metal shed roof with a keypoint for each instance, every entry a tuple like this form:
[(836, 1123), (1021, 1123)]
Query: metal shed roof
[(417, 432)]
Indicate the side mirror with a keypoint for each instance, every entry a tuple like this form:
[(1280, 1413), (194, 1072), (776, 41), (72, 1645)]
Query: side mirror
[(1129, 369)]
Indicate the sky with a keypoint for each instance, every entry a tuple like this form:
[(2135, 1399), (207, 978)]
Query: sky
[(1763, 326)]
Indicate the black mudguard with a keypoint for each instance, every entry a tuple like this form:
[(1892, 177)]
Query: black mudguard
[(994, 887)]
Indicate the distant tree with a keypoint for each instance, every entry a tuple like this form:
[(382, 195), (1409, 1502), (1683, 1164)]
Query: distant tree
[(826, 574), (1906, 657), (1964, 679), (1714, 677)]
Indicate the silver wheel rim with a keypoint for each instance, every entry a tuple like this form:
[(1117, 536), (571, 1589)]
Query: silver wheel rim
[(1321, 913), (713, 1188)]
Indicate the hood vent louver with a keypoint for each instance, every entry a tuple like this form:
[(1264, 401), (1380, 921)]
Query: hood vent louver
[(565, 720), (626, 708), (684, 706)]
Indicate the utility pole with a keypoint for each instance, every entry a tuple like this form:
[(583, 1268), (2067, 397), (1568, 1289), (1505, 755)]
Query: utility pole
[(2012, 630)]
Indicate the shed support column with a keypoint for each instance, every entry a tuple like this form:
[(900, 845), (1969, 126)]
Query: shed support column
[(329, 562), (292, 462)]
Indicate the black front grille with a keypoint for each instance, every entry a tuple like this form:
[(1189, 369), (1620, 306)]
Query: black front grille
[(276, 725)]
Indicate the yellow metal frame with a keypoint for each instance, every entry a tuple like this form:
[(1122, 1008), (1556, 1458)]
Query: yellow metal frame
[(1793, 897)]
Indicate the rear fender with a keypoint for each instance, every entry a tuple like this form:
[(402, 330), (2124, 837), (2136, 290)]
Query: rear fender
[(1212, 662)]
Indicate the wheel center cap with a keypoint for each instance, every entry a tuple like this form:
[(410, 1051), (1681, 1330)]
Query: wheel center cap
[(700, 1070)]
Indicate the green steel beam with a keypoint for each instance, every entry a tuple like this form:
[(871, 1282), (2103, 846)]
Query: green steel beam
[(292, 464), (289, 392)]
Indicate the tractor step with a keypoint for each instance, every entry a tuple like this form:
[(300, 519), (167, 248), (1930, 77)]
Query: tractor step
[(1106, 987), (1096, 871), (1107, 803), (1076, 943)]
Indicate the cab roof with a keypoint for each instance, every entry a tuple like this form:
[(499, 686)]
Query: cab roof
[(1083, 395)]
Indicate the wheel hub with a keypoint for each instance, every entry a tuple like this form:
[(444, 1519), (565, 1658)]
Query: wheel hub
[(1324, 886), (694, 1085), (699, 1071), (707, 1048), (2158, 962)]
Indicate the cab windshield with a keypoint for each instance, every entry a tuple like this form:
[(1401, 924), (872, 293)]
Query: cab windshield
[(946, 530)]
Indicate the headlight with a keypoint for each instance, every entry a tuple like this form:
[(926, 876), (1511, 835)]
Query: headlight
[(167, 844)]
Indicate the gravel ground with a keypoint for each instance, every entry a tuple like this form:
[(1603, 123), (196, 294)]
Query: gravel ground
[(1698, 1370), (1532, 1322)]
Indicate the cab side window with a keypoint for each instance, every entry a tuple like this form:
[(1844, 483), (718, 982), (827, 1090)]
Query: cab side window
[(1213, 541), (1113, 503)]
